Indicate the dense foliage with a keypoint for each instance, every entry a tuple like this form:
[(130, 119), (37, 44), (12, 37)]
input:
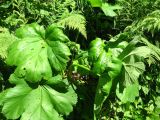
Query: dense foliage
[(79, 60)]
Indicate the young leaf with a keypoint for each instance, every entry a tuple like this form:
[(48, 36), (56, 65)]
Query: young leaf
[(96, 48), (100, 65), (98, 56)]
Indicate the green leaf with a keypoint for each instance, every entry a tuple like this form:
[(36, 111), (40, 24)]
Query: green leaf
[(36, 53), (96, 48), (129, 93), (6, 39), (58, 55), (102, 92), (39, 106), (2, 95), (62, 102), (132, 60), (74, 21), (109, 9), (142, 51), (54, 80), (114, 67), (54, 33), (13, 79), (96, 3), (129, 48), (98, 56), (132, 70), (15, 101), (30, 31), (100, 65), (42, 103)]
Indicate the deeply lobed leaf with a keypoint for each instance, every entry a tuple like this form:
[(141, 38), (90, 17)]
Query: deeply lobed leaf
[(38, 53)]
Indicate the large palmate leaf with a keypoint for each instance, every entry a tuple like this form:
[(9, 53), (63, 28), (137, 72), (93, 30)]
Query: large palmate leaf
[(129, 93), (42, 103), (38, 51), (132, 69), (15, 98), (132, 59), (133, 66)]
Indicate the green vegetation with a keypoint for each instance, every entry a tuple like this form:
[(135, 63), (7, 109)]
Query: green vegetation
[(79, 60)]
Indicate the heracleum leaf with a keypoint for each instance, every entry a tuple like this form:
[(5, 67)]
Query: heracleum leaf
[(129, 93), (39, 106), (37, 52), (114, 67), (54, 33), (96, 48), (96, 3), (98, 55), (62, 102), (31, 31), (102, 92), (15, 101), (109, 9), (100, 65), (58, 55), (142, 51), (132, 63), (132, 70), (42, 103)]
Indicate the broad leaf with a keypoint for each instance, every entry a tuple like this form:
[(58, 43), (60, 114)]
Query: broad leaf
[(42, 103), (100, 65), (129, 93), (96, 3), (15, 101), (102, 92), (54, 33), (98, 56), (37, 52), (133, 65), (32, 31), (96, 48), (132, 70), (109, 9), (114, 67)]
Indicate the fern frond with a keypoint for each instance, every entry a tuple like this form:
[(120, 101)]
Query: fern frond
[(74, 21), (155, 51), (6, 39), (150, 23)]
